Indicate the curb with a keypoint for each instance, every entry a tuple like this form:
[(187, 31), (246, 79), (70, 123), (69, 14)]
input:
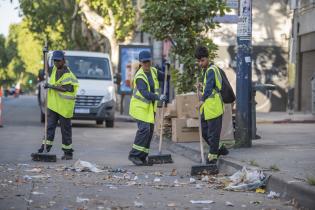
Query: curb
[(285, 121), (302, 194)]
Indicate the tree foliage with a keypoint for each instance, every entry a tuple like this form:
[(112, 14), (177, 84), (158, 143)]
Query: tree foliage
[(22, 56), (186, 23)]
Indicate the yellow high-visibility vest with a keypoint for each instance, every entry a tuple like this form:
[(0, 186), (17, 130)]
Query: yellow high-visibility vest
[(213, 106), (62, 102), (141, 108)]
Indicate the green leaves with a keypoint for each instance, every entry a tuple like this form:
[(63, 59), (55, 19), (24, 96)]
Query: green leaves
[(187, 23)]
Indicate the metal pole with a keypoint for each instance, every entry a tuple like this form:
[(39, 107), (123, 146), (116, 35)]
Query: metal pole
[(243, 134)]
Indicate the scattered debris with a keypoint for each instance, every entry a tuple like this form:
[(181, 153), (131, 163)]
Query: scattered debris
[(244, 206), (146, 176), (205, 179), (246, 180), (158, 173), (135, 178), (260, 190), (51, 203), (27, 178), (40, 176), (255, 202), (174, 172), (81, 165), (82, 200), (138, 204), (157, 179), (274, 167), (171, 204), (228, 203), (118, 170), (192, 181), (273, 195), (37, 193), (35, 170), (198, 186), (201, 201)]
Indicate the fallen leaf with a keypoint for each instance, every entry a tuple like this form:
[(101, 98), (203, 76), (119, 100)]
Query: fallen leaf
[(174, 172)]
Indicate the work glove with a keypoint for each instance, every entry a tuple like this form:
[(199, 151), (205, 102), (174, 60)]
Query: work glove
[(47, 85), (163, 98)]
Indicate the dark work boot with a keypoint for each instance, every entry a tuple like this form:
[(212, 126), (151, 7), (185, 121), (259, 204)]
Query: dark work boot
[(41, 149), (135, 160), (67, 156), (223, 150)]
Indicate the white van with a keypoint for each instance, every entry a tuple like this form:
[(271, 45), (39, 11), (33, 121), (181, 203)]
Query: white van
[(96, 97)]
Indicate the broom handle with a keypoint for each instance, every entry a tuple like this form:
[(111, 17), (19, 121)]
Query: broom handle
[(199, 120), (46, 77), (163, 106)]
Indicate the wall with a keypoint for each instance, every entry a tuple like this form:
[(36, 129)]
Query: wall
[(271, 30)]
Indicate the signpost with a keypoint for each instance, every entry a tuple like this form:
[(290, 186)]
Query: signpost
[(243, 134)]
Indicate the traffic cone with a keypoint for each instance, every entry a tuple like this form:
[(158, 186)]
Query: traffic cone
[(1, 122)]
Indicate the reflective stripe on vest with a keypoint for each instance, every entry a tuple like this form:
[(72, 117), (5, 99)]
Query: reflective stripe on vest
[(140, 98), (69, 79), (66, 96), (141, 149)]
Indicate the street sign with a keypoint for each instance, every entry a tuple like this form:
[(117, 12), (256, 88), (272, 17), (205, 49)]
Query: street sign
[(244, 26), (233, 4)]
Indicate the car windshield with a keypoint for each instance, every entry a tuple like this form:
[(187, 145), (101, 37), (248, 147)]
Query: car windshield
[(89, 67)]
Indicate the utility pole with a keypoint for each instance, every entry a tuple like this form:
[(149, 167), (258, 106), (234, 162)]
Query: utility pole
[(243, 135)]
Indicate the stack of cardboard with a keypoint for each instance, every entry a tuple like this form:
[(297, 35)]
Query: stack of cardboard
[(181, 120)]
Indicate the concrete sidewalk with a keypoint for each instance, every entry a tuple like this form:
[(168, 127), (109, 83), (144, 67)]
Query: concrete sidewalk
[(286, 151), (284, 117)]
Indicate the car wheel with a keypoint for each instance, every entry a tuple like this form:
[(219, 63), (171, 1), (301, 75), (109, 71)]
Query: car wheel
[(99, 122), (109, 123)]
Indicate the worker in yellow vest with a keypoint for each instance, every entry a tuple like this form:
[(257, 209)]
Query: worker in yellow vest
[(211, 105), (143, 105), (62, 89)]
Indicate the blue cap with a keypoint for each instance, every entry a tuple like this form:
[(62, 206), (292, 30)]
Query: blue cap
[(144, 56), (58, 55)]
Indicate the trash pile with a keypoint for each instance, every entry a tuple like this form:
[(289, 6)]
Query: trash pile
[(245, 180)]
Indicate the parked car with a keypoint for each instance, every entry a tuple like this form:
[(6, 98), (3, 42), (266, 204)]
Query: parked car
[(96, 97)]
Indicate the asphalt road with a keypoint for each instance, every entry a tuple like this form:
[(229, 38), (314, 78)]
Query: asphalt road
[(31, 185)]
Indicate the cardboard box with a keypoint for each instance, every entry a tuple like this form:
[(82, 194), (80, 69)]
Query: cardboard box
[(192, 123), (185, 105), (181, 133), (227, 131), (170, 110)]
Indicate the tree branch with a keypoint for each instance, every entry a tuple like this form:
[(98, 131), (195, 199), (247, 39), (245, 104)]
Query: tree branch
[(95, 21)]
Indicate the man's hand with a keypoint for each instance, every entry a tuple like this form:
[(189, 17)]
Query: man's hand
[(163, 98), (47, 85)]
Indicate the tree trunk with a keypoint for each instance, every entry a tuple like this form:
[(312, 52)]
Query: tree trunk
[(97, 23)]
